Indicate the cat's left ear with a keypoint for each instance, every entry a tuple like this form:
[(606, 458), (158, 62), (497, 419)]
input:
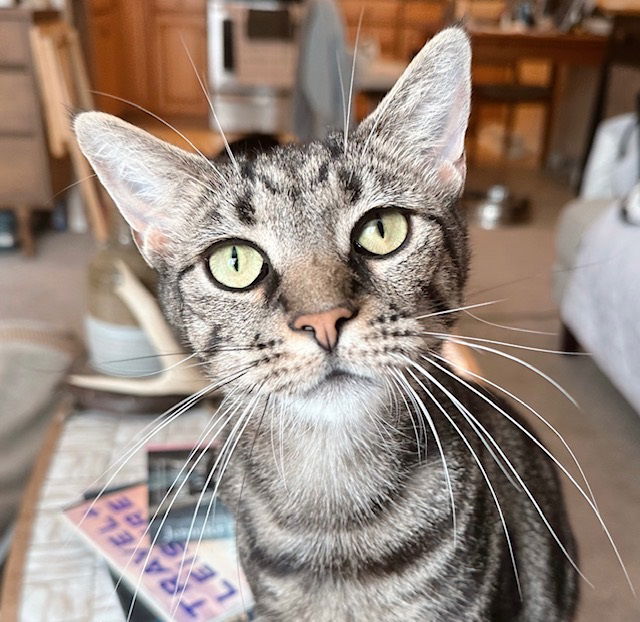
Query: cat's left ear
[(425, 115)]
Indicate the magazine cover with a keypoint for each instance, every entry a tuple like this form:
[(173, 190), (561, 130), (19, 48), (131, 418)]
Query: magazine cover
[(181, 495), (208, 586)]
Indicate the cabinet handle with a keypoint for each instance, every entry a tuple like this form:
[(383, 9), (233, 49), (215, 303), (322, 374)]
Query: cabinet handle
[(228, 60)]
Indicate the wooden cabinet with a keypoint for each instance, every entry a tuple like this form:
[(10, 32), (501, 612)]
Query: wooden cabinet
[(192, 6), (401, 27), (25, 167), (176, 37), (24, 161), (106, 53), (136, 52)]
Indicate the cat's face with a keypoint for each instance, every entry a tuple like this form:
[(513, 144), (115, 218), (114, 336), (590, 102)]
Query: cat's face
[(306, 267)]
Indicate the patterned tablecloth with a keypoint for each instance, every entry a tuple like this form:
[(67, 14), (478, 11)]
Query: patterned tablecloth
[(62, 579)]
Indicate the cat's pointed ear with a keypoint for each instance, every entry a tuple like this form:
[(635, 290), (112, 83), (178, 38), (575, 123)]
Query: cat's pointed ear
[(427, 111), (146, 177)]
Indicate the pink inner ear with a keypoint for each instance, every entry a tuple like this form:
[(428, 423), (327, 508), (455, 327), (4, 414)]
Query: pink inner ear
[(155, 241), (453, 137), (150, 243), (138, 239), (452, 174)]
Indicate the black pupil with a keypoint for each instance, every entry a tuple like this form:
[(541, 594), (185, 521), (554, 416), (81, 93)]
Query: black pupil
[(380, 226), (235, 264)]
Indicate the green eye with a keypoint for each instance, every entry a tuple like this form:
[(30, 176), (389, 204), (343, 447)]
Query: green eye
[(382, 233), (236, 265)]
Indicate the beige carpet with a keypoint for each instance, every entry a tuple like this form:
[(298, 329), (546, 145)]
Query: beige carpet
[(605, 434)]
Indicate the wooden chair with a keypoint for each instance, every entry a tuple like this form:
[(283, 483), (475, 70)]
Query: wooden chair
[(509, 90), (416, 22), (28, 176), (623, 50), (64, 87)]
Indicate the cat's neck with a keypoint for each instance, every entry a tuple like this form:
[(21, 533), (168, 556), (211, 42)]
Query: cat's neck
[(329, 455)]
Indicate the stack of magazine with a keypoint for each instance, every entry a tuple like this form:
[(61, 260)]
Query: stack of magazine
[(169, 542)]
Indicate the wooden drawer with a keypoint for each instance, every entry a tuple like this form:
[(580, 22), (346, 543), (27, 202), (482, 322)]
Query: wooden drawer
[(14, 45), (24, 177), (19, 112)]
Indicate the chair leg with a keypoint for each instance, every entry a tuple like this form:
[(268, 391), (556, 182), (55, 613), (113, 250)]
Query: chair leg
[(509, 126), (24, 231), (549, 107), (568, 342)]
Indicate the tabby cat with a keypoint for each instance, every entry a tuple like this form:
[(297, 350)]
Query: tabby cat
[(319, 281)]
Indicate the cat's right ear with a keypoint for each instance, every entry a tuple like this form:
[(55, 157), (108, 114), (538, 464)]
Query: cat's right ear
[(145, 176)]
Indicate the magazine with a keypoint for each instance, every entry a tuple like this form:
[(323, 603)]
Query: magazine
[(176, 581), (181, 495)]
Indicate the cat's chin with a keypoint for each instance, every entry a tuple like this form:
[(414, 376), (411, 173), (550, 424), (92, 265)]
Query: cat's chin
[(338, 397), (338, 385)]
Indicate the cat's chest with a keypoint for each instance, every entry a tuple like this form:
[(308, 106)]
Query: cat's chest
[(330, 510)]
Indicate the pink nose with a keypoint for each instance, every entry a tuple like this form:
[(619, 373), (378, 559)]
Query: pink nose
[(324, 325)]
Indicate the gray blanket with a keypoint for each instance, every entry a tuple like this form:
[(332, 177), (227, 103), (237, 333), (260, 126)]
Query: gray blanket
[(34, 360)]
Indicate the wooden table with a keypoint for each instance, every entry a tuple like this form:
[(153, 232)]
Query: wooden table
[(493, 46), (554, 46)]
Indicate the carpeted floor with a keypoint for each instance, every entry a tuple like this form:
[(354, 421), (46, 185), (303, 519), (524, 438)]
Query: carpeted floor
[(512, 263), (604, 434)]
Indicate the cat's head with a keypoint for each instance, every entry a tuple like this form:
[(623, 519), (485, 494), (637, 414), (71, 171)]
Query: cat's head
[(307, 266)]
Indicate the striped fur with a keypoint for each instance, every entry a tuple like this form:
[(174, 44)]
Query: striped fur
[(338, 478)]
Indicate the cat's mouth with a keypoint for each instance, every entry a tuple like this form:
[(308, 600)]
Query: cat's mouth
[(337, 374), (337, 378)]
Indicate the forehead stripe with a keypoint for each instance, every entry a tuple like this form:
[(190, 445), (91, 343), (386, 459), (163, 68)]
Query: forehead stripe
[(245, 210)]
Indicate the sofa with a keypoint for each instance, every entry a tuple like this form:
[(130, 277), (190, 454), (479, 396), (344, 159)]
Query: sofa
[(597, 269)]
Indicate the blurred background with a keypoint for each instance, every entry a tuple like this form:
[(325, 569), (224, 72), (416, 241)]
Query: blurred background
[(552, 201)]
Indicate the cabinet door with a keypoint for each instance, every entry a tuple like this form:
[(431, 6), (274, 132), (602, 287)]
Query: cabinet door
[(176, 84), (197, 6), (107, 64)]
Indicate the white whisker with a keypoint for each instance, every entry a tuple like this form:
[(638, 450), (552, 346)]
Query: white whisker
[(555, 461), (353, 72), (243, 422), (513, 470), (436, 437), (164, 518), (72, 185), (506, 344), (208, 429), (342, 89), (153, 373), (169, 412), (475, 306), (237, 512), (514, 328), (525, 405), (529, 366), (413, 423), (184, 405), (484, 474), (213, 112), (281, 445), (167, 124)]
